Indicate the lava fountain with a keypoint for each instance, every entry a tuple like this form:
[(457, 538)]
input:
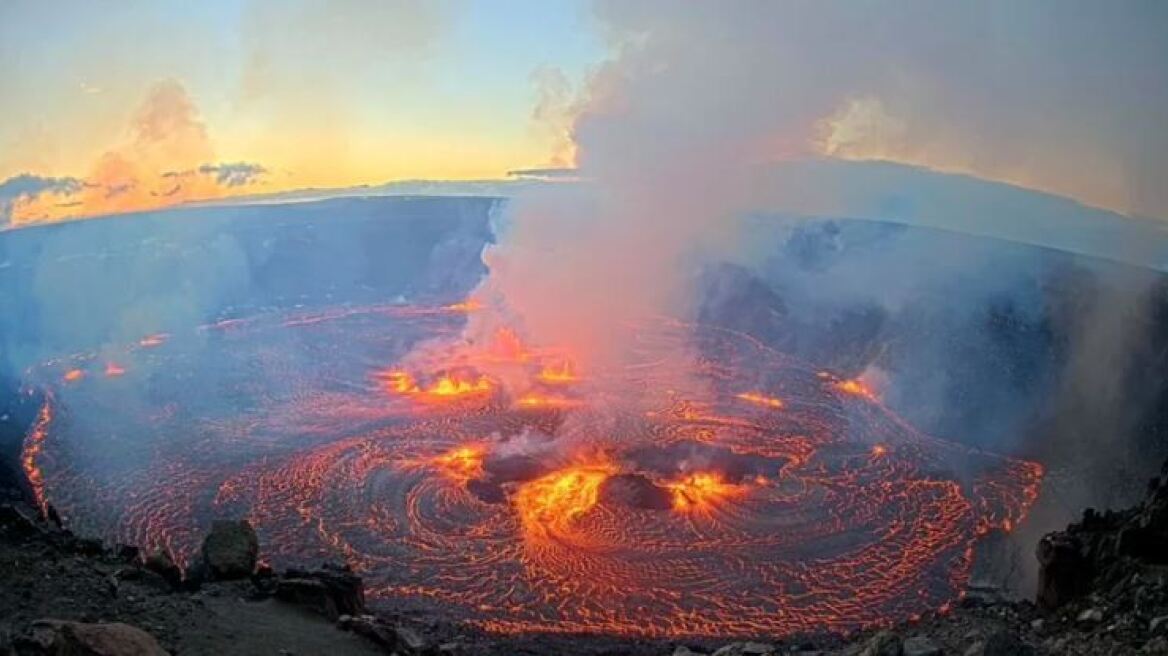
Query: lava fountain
[(503, 487)]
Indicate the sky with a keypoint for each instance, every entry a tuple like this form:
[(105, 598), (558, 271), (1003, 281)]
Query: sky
[(318, 94), (111, 107)]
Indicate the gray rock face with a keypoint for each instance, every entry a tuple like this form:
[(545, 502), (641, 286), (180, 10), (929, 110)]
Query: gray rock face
[(163, 565), (1063, 573), (1158, 625), (746, 649), (920, 646), (999, 643), (1156, 647), (332, 591), (1090, 616), (397, 639), (409, 641), (78, 639), (230, 550), (885, 643)]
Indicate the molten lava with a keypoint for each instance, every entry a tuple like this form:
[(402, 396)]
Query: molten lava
[(508, 347), (558, 373), (855, 387), (535, 400), (112, 370), (463, 463), (547, 506), (73, 375), (455, 385), (150, 341), (469, 305), (758, 398), (446, 386), (701, 490), (34, 444), (711, 511)]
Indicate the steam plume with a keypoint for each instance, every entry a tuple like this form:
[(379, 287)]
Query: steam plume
[(674, 131)]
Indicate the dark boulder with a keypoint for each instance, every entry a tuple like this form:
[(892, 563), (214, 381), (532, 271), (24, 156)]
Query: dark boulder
[(920, 646), (396, 639), (60, 638), (884, 643), (127, 553), (17, 520), (331, 590), (230, 550), (999, 643), (1064, 573), (160, 563)]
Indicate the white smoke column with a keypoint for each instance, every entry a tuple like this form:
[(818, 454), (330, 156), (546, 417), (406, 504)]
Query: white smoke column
[(670, 136), (672, 133)]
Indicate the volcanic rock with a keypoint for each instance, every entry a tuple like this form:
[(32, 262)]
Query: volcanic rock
[(88, 546), (1064, 573), (61, 638), (1158, 625), (635, 491), (370, 628), (884, 643), (682, 650), (746, 649), (331, 591), (408, 641), (999, 643), (1090, 617), (1156, 647), (230, 550), (160, 563), (920, 646), (398, 639), (127, 552), (15, 520)]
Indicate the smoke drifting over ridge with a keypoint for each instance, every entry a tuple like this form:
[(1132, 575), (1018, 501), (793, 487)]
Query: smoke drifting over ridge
[(675, 131)]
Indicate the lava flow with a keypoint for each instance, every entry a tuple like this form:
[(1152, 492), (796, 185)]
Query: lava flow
[(738, 492)]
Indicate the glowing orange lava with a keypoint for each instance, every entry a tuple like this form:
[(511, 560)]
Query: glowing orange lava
[(533, 400), (398, 382), (855, 387), (701, 490), (149, 341), (558, 373), (696, 505), (508, 347), (456, 385), (548, 505), (469, 305), (74, 375), (462, 463), (446, 386), (113, 370), (34, 444), (760, 399)]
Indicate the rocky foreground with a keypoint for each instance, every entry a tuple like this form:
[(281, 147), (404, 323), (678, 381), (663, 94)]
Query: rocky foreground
[(1103, 589)]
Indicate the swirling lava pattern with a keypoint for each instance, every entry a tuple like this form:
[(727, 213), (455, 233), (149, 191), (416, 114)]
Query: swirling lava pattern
[(734, 491)]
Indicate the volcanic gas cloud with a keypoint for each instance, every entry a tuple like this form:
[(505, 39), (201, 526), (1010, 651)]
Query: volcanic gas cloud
[(731, 491)]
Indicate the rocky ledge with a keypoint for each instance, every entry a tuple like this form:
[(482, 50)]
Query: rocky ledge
[(1103, 589)]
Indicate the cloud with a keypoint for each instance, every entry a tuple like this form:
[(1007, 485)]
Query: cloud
[(236, 174), (167, 157), (227, 175), (26, 187)]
